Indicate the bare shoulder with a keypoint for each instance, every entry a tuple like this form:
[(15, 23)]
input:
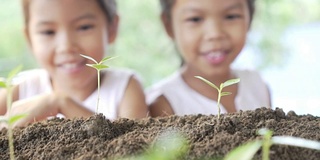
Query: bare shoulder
[(133, 104), (160, 107), (134, 88)]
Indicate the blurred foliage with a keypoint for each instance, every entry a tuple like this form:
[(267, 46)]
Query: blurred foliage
[(142, 44), (13, 48), (272, 18)]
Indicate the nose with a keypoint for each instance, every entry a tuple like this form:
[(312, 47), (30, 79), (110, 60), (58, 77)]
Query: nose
[(213, 31), (66, 43)]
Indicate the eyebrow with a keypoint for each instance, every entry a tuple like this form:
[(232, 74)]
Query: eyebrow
[(187, 9), (235, 6), (231, 7), (85, 16)]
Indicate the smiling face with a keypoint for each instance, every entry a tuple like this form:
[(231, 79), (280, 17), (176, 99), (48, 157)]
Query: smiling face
[(209, 33), (59, 30)]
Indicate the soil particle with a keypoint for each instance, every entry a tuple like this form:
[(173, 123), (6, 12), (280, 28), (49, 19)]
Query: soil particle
[(208, 137)]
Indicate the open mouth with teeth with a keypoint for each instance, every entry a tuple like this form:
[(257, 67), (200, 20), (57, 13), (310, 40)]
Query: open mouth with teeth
[(72, 67), (215, 58)]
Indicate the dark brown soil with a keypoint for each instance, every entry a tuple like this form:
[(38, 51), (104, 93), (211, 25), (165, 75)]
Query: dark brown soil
[(98, 138)]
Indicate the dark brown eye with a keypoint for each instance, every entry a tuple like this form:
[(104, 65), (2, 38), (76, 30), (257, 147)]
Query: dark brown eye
[(194, 19), (85, 27), (233, 16), (47, 32)]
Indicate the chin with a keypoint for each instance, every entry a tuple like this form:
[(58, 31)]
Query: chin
[(216, 71)]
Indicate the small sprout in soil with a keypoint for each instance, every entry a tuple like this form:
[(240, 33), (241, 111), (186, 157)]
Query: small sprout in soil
[(8, 119), (98, 66), (170, 145), (248, 150), (220, 93)]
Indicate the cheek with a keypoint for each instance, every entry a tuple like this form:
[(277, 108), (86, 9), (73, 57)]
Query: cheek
[(92, 43), (95, 47), (239, 36), (241, 40), (41, 51), (186, 40), (43, 54), (43, 58)]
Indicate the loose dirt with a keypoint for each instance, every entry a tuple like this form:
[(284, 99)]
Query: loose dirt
[(208, 138)]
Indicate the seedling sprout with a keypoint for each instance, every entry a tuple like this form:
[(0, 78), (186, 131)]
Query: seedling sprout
[(248, 150), (171, 146), (98, 66), (10, 120), (220, 93)]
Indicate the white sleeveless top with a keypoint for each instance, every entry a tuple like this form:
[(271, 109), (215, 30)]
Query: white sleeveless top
[(252, 93), (113, 86)]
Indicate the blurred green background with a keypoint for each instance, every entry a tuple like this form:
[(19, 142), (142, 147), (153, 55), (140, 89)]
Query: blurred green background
[(142, 44)]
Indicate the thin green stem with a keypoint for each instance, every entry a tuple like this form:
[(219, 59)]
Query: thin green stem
[(266, 146), (11, 147), (219, 96), (10, 133), (98, 91)]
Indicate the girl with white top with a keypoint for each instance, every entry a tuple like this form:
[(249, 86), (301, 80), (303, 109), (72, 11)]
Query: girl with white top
[(209, 35), (58, 32)]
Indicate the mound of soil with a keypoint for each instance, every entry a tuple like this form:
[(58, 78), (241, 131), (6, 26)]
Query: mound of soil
[(98, 138)]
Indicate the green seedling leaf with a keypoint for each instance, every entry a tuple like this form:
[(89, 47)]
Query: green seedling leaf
[(295, 141), (267, 142), (265, 132), (220, 93), (8, 84), (3, 84), (168, 147), (87, 57), (14, 72), (230, 82), (225, 93), (15, 118), (100, 66), (244, 152), (208, 82), (90, 65), (106, 58)]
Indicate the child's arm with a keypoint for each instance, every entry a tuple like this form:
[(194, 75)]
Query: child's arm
[(133, 104), (71, 109), (41, 107), (3, 98), (3, 105), (160, 107)]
